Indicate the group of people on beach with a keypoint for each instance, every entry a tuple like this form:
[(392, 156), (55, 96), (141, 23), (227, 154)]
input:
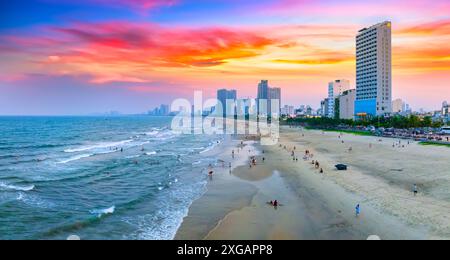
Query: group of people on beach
[(252, 161), (399, 144), (116, 149), (274, 203)]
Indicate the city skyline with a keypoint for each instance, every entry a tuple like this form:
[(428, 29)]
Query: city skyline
[(82, 57)]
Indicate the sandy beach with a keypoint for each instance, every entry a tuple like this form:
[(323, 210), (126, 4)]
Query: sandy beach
[(316, 205)]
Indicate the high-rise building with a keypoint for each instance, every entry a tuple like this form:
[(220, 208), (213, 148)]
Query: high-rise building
[(445, 109), (163, 110), (288, 110), (347, 104), (374, 71), (223, 95), (335, 89), (324, 107), (274, 94), (263, 89), (398, 106), (266, 93)]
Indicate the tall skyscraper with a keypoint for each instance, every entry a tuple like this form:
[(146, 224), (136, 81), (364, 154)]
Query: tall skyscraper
[(263, 89), (374, 71), (274, 94), (335, 89), (223, 95), (266, 93)]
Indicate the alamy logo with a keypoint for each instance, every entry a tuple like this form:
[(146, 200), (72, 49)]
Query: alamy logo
[(256, 117)]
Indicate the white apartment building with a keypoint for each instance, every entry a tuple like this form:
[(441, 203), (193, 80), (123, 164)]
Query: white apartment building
[(335, 89), (374, 70)]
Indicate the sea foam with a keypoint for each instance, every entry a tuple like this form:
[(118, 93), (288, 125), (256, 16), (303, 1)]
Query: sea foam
[(102, 212), (97, 146), (16, 188)]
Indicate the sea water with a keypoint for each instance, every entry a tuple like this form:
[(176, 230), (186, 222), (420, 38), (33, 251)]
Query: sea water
[(62, 176)]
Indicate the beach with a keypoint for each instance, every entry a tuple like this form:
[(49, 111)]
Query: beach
[(316, 205)]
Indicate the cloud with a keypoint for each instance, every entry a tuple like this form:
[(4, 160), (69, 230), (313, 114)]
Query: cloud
[(441, 27), (118, 50), (137, 5), (316, 61), (349, 9)]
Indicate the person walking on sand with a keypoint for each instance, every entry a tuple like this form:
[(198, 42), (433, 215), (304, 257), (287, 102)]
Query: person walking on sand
[(232, 154), (358, 210), (415, 190)]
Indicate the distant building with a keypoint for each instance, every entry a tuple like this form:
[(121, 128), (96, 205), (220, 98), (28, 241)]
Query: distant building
[(445, 112), (274, 94), (445, 108), (245, 106), (347, 104), (398, 106), (263, 89), (309, 111), (288, 110), (324, 107), (374, 71), (335, 89), (267, 93), (163, 110), (222, 96)]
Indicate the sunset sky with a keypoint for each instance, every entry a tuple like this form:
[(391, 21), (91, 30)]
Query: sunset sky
[(68, 57)]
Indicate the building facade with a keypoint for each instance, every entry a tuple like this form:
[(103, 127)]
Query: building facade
[(163, 110), (398, 106), (347, 104), (266, 93), (274, 95), (222, 96), (288, 110), (446, 111), (374, 71), (335, 89), (324, 107)]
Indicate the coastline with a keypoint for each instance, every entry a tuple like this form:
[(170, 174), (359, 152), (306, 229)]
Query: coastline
[(321, 206)]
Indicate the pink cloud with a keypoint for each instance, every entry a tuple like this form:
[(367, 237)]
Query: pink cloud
[(145, 44), (139, 4), (349, 9)]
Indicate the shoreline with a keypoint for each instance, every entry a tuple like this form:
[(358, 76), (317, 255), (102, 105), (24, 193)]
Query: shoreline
[(317, 206)]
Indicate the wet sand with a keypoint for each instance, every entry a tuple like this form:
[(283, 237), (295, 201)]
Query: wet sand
[(321, 206)]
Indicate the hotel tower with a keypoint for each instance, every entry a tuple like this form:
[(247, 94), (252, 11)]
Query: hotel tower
[(374, 71)]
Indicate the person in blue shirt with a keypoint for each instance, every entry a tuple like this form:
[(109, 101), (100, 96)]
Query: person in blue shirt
[(358, 210)]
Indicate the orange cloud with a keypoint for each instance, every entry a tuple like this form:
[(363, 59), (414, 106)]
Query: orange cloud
[(441, 27)]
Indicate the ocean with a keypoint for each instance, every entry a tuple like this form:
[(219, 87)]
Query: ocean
[(62, 176)]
